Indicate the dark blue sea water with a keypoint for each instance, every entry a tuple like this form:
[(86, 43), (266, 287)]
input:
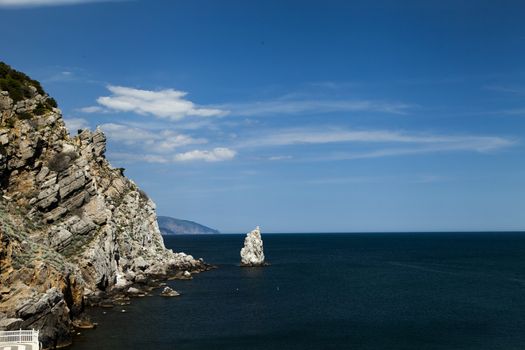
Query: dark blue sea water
[(335, 291)]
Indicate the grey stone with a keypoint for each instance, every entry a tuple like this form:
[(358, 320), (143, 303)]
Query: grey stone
[(168, 292), (133, 290), (55, 214), (42, 174), (48, 300), (83, 226), (48, 192), (75, 201), (72, 186), (10, 323)]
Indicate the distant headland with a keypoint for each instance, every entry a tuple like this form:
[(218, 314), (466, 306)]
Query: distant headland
[(171, 226)]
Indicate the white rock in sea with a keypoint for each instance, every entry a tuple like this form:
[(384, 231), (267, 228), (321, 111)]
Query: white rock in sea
[(168, 292), (252, 253)]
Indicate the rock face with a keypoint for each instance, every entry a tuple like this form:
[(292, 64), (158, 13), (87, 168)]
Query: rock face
[(252, 253), (73, 229)]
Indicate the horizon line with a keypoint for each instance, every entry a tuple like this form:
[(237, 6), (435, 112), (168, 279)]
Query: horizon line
[(351, 232)]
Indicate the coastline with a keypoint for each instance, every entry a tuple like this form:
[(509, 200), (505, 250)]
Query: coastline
[(360, 297), (76, 231), (124, 296)]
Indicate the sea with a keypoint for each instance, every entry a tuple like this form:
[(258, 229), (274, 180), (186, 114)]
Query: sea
[(333, 291)]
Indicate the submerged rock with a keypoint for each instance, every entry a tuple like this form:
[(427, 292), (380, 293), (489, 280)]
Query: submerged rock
[(252, 253)]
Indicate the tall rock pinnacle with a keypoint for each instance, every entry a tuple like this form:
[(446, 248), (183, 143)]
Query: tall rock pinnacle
[(252, 253)]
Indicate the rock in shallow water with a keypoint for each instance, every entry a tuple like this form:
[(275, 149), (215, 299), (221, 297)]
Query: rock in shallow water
[(252, 253), (168, 292)]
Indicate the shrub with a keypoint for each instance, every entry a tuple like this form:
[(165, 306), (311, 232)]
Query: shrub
[(25, 116), (10, 122), (61, 161), (143, 195), (17, 83), (14, 87), (40, 109), (51, 102)]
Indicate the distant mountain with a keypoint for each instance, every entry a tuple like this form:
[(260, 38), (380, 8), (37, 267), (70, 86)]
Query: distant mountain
[(172, 226)]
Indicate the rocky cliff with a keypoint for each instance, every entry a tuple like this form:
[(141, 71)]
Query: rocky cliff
[(73, 230)]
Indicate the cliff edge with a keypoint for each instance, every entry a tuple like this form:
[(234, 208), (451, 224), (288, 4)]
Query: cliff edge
[(73, 230)]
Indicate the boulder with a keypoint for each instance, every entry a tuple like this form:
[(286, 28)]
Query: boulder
[(10, 323), (168, 292), (133, 290)]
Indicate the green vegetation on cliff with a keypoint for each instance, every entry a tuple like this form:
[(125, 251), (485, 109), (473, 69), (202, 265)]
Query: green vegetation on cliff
[(74, 231), (18, 85)]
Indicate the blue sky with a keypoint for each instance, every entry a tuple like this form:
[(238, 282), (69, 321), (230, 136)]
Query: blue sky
[(295, 115)]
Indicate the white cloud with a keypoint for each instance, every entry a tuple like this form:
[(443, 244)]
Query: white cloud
[(172, 141), (416, 149), (128, 135), (216, 155), (517, 90), (74, 124), (168, 104), (37, 3), (92, 109), (61, 76), (378, 143), (279, 157), (410, 178), (516, 111), (156, 141), (123, 157), (160, 146), (302, 106)]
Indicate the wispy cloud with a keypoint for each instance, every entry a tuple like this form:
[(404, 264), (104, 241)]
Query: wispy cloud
[(160, 145), (74, 124), (410, 178), (38, 3), (517, 90), (311, 106), (515, 111), (62, 76), (92, 109), (378, 143), (168, 104), (333, 135), (160, 140), (274, 158), (217, 154)]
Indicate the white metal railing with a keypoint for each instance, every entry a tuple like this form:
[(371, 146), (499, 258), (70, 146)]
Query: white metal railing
[(20, 336)]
